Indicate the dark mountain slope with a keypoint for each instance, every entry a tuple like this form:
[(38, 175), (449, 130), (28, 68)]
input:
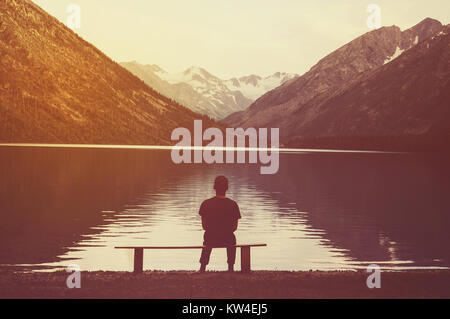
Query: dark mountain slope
[(367, 52), (57, 88), (403, 103)]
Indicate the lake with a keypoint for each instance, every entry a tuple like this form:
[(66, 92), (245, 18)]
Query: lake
[(321, 211)]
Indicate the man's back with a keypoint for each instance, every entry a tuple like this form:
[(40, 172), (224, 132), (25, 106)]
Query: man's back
[(219, 216)]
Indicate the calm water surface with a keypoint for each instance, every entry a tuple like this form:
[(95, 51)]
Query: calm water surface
[(62, 206)]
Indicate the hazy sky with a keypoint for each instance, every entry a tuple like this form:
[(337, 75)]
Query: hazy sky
[(234, 37)]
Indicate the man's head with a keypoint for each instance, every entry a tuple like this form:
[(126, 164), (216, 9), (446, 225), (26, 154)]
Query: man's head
[(221, 185)]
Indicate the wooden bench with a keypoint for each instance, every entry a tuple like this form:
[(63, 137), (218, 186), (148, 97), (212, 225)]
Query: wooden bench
[(139, 254)]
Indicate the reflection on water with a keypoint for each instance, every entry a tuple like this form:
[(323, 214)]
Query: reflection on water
[(321, 211)]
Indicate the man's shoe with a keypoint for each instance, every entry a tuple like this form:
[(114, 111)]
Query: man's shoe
[(202, 268), (230, 268)]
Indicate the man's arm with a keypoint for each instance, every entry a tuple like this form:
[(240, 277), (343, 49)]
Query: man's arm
[(234, 225), (237, 214), (204, 224), (202, 214)]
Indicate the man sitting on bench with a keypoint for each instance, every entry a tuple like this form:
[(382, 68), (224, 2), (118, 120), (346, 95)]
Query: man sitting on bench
[(219, 220)]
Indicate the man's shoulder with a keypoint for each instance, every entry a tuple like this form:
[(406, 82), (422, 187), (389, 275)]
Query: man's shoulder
[(235, 208), (209, 200), (215, 198), (215, 201), (231, 201)]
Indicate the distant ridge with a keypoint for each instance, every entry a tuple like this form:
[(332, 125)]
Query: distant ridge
[(312, 110)]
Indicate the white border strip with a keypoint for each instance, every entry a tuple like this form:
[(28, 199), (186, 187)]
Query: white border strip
[(217, 148)]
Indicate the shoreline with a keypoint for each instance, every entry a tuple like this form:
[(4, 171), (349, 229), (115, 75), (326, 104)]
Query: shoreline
[(222, 285)]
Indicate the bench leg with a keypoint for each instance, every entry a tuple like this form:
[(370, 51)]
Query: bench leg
[(138, 260), (245, 259)]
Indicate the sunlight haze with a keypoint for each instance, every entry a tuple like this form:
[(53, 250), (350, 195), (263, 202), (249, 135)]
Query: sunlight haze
[(234, 38)]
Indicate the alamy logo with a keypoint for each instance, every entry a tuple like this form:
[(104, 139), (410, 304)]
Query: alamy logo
[(74, 279), (374, 280), (74, 18), (374, 19), (214, 151)]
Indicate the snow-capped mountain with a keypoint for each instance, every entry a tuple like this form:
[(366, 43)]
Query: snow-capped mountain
[(204, 92), (254, 86)]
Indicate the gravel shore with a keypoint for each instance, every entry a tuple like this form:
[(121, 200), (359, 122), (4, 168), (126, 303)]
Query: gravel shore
[(257, 284)]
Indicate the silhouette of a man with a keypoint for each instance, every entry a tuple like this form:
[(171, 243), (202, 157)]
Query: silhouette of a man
[(219, 220)]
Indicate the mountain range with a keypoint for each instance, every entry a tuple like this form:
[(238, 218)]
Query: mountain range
[(204, 92), (383, 87), (386, 89), (57, 88)]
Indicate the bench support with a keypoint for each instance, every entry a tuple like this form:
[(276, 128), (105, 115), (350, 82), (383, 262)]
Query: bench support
[(245, 259), (138, 260), (139, 254)]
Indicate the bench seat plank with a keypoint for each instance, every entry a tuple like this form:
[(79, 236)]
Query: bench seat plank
[(185, 247)]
